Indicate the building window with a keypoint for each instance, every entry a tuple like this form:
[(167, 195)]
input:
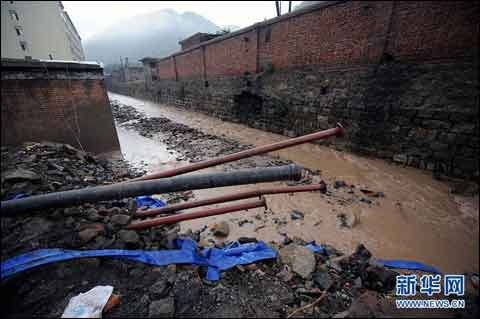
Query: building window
[(23, 45), (14, 15), (18, 30)]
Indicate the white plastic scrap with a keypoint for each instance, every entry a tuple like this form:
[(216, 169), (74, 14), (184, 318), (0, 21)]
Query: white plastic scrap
[(89, 304)]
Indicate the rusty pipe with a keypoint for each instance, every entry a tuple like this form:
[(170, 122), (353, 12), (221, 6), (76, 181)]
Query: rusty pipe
[(337, 131), (228, 198), (199, 214)]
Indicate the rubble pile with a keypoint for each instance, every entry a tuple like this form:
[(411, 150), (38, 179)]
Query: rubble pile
[(350, 285)]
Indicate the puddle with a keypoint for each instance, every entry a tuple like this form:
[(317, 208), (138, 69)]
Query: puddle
[(417, 219), (144, 153)]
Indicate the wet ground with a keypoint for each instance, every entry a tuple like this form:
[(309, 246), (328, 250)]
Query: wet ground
[(418, 218)]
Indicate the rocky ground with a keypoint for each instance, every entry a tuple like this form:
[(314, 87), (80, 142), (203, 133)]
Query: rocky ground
[(192, 144), (322, 284)]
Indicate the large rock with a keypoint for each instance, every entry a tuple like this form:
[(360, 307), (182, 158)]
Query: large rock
[(120, 220), (20, 175), (300, 259), (163, 308), (93, 215), (322, 280), (129, 237), (91, 232)]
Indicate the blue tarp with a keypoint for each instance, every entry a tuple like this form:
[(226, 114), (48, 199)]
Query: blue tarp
[(216, 259), (314, 247), (149, 202), (390, 263), (235, 254), (407, 264)]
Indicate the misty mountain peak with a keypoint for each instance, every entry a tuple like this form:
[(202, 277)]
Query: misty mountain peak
[(152, 34)]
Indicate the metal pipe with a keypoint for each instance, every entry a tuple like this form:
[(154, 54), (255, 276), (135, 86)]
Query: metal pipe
[(337, 131), (199, 214), (228, 198), (174, 184)]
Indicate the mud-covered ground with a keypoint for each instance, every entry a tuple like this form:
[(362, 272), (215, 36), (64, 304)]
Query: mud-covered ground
[(354, 285)]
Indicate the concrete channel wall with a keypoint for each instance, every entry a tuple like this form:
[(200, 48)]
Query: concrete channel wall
[(63, 102), (402, 76)]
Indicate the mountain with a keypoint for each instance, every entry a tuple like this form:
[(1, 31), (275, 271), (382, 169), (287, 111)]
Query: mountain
[(154, 34)]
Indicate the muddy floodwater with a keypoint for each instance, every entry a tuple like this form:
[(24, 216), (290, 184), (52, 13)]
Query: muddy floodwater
[(416, 219)]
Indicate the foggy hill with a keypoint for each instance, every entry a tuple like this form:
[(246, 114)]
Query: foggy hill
[(155, 34)]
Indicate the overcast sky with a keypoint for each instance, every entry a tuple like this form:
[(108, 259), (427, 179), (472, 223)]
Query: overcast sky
[(91, 17)]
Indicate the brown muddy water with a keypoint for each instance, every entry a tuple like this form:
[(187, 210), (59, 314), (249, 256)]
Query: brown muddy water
[(417, 219)]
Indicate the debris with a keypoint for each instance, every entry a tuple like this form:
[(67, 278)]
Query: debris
[(163, 308), (150, 202), (112, 302), (245, 221), (295, 214), (221, 229), (299, 258), (129, 237), (159, 289), (322, 280), (347, 220), (19, 175), (120, 219), (339, 184), (372, 193), (368, 305), (407, 264), (91, 232), (245, 240), (89, 304), (316, 302)]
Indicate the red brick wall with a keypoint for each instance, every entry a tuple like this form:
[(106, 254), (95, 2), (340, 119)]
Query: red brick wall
[(58, 111), (165, 69), (434, 29), (233, 56), (343, 34), (190, 65)]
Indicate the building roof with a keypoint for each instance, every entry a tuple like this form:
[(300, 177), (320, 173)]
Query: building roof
[(148, 59)]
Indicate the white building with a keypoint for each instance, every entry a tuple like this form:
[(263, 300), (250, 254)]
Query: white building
[(39, 30)]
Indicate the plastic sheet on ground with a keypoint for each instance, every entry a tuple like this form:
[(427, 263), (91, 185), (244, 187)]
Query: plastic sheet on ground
[(314, 247), (390, 263), (235, 254), (149, 202), (408, 264), (216, 259), (89, 304)]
